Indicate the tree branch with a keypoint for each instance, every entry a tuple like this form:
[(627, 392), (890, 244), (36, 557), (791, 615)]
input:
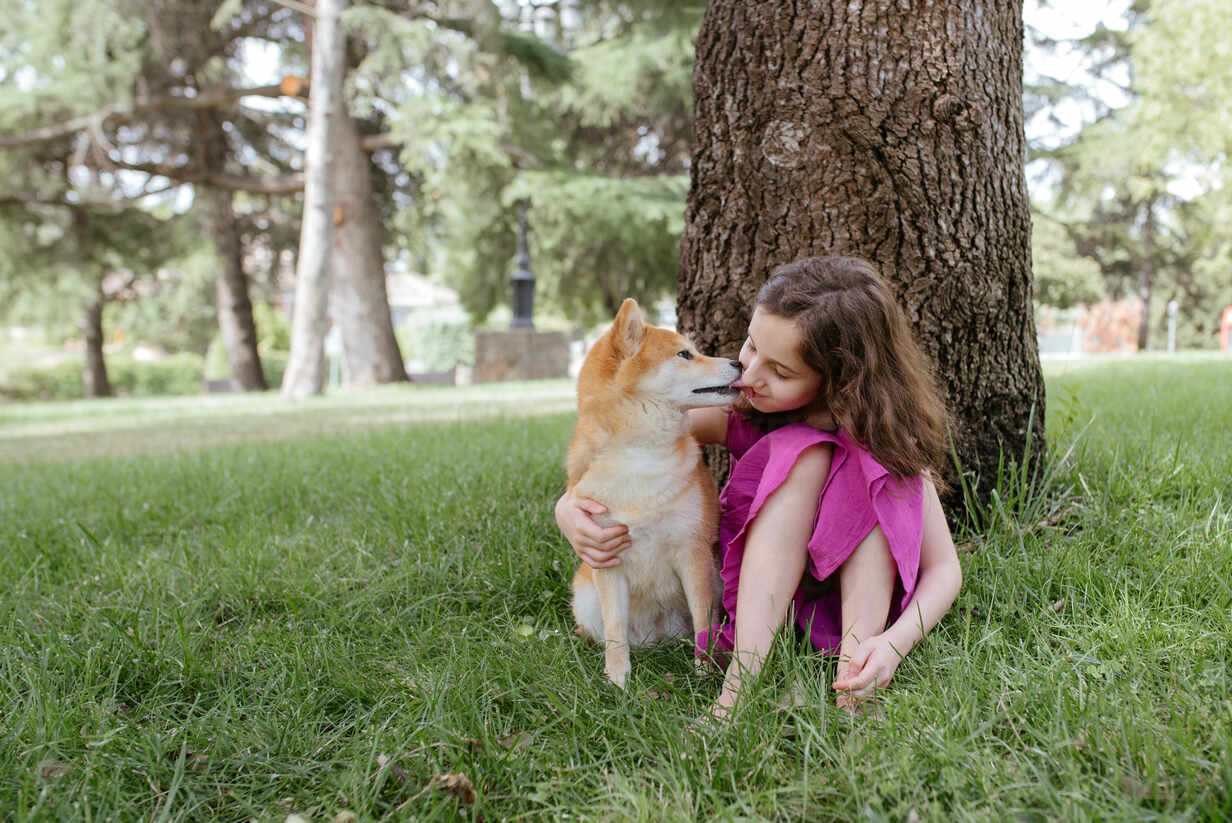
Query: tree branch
[(376, 142), (521, 158), (290, 184), (209, 100), (300, 7), (26, 200), (189, 174)]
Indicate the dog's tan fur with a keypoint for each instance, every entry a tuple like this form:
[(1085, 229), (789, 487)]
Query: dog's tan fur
[(632, 452)]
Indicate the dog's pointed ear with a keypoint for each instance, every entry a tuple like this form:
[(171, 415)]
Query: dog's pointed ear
[(629, 328)]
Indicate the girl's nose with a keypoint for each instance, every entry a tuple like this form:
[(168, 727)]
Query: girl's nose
[(752, 374)]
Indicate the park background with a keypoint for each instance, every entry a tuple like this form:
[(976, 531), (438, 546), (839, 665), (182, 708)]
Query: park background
[(250, 604), (152, 242)]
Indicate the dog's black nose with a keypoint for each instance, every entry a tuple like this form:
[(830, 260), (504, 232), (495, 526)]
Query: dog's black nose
[(736, 363)]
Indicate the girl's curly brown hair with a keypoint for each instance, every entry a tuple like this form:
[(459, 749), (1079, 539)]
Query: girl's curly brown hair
[(876, 382)]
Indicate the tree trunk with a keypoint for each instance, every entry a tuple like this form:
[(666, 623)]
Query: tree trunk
[(305, 374), (94, 374), (1146, 275), (239, 332), (886, 130), (359, 301)]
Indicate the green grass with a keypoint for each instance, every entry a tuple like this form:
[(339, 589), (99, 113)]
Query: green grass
[(125, 426), (246, 630)]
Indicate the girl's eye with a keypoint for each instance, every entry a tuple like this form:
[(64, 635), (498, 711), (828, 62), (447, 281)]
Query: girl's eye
[(686, 354)]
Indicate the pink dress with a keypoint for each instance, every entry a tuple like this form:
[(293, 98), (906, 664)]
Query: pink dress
[(858, 494)]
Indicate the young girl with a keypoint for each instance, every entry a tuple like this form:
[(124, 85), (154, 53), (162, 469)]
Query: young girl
[(830, 508)]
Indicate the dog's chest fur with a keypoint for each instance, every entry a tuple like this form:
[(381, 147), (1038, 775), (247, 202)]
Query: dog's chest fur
[(658, 496)]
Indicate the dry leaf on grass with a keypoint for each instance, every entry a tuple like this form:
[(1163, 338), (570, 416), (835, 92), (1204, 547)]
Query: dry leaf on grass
[(384, 762), (193, 761), (517, 740), (52, 769), (459, 785)]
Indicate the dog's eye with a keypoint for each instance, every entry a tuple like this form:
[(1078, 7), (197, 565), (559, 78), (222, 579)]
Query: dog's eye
[(686, 354)]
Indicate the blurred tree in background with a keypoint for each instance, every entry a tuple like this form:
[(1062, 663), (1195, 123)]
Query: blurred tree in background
[(124, 103), (135, 112), (1141, 189), (594, 132), (581, 107)]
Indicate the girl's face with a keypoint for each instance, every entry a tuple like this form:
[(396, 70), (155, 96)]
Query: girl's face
[(775, 377)]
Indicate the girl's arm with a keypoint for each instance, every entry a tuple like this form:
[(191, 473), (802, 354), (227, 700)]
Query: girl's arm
[(874, 661), (709, 425), (597, 547)]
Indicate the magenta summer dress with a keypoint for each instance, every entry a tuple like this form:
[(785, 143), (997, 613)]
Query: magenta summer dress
[(858, 494)]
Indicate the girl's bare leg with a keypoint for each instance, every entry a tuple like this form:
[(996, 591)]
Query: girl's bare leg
[(769, 576), (866, 581), (774, 555)]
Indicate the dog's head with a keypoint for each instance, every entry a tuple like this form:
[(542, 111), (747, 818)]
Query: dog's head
[(654, 364)]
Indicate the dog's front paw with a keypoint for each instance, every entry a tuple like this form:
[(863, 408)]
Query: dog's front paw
[(619, 674)]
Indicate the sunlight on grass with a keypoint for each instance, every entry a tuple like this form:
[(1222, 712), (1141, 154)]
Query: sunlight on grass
[(120, 426)]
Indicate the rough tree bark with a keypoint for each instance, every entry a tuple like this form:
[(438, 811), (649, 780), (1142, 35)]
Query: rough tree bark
[(888, 130), (305, 374), (359, 301), (94, 380), (239, 331)]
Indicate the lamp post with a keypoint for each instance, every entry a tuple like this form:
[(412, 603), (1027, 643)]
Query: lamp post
[(523, 279)]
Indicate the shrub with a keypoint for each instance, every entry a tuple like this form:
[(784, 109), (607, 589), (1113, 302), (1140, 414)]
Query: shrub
[(178, 374), (273, 328), (216, 365), (59, 382), (438, 344), (274, 364)]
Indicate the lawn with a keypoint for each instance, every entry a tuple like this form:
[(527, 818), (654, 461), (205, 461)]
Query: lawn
[(235, 610)]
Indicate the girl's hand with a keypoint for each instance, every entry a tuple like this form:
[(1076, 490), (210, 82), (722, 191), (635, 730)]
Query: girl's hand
[(596, 546), (870, 666)]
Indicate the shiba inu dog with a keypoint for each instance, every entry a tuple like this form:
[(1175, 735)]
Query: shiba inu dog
[(632, 452)]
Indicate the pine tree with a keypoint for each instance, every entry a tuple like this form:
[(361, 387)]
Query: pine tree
[(591, 127), (1139, 188)]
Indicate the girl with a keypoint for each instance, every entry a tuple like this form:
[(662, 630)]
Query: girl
[(830, 508)]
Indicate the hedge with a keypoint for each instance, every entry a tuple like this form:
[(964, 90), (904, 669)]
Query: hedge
[(177, 374)]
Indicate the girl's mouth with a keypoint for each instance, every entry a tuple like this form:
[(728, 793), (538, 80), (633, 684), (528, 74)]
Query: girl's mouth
[(748, 392)]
